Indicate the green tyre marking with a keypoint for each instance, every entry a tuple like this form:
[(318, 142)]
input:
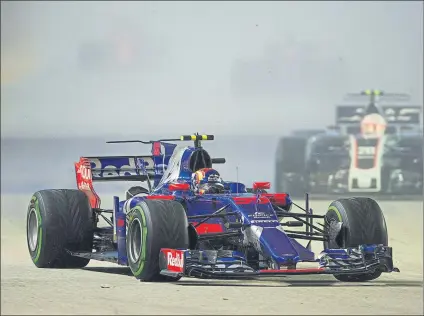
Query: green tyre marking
[(40, 228), (143, 246), (335, 210)]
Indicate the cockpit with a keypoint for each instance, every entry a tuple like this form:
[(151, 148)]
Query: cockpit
[(199, 159), (183, 162)]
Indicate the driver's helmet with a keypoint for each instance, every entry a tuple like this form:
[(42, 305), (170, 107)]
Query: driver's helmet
[(207, 180), (373, 125)]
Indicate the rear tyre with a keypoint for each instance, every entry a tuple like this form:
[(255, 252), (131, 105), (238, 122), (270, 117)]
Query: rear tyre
[(57, 221), (154, 224), (362, 223)]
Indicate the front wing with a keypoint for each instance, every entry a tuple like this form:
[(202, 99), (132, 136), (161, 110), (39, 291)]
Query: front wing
[(226, 264)]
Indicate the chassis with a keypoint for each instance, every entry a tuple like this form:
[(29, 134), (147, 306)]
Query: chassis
[(237, 234), (227, 264)]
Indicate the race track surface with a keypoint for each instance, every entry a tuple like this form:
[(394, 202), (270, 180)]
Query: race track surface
[(107, 289)]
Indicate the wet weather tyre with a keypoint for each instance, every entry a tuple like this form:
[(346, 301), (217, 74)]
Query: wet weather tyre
[(362, 223), (57, 221), (154, 224)]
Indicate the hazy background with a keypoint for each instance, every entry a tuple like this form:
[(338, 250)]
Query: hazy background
[(74, 74)]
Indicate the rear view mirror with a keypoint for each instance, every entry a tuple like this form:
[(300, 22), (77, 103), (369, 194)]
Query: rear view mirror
[(261, 185), (218, 160)]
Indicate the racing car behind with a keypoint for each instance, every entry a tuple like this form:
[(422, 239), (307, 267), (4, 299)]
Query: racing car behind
[(372, 149)]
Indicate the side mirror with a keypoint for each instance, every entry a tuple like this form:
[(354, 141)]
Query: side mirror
[(261, 185), (218, 160), (179, 187)]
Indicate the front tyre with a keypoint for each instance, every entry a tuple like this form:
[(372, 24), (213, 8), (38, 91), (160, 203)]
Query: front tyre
[(154, 224), (362, 223)]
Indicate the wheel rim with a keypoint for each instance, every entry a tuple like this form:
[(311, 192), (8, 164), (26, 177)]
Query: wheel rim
[(33, 229), (135, 242)]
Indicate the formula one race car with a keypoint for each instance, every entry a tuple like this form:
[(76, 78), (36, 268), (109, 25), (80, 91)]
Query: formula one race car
[(179, 226), (372, 149)]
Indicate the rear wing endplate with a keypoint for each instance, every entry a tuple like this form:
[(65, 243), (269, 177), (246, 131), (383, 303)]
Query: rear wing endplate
[(85, 181), (111, 168)]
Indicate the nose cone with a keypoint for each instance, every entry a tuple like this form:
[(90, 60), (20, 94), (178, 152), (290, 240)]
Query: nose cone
[(282, 249)]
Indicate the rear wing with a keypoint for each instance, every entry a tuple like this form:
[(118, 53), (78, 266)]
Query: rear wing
[(116, 168), (396, 114), (377, 101), (399, 117), (122, 168), (408, 114), (349, 114), (131, 168)]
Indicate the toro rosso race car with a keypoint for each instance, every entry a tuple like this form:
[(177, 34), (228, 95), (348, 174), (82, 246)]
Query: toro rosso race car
[(372, 149), (190, 222)]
